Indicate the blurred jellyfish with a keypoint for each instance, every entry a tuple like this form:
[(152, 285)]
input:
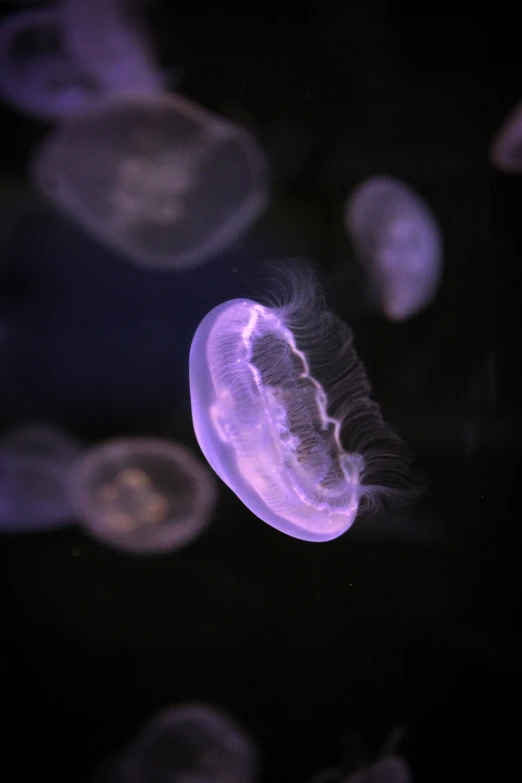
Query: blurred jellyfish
[(109, 40), (506, 148), (358, 768), (34, 478), (397, 238), (37, 75), (40, 440), (193, 743), (388, 770), (282, 410), (392, 769), (143, 495), (158, 177)]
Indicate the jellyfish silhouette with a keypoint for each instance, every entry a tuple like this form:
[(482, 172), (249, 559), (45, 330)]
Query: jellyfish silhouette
[(192, 742), (109, 40), (38, 76), (397, 239), (357, 765), (506, 148), (392, 769), (35, 461), (143, 496), (162, 180), (283, 412)]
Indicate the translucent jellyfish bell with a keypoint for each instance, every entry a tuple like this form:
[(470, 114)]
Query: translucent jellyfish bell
[(156, 176), (37, 75), (35, 462), (109, 40), (397, 238), (282, 411), (142, 495), (506, 149), (193, 743)]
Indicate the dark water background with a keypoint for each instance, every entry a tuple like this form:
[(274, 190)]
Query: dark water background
[(299, 641)]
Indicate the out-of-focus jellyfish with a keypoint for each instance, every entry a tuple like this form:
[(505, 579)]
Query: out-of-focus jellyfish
[(388, 768), (392, 769), (109, 40), (506, 148), (192, 743), (397, 239), (38, 76), (35, 462), (282, 411), (144, 496), (156, 176)]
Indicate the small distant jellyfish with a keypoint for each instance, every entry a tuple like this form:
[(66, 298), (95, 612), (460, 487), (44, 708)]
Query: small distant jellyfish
[(192, 743), (144, 496), (38, 77), (389, 768), (162, 180), (109, 40), (35, 462), (392, 769), (282, 411), (506, 148), (397, 239)]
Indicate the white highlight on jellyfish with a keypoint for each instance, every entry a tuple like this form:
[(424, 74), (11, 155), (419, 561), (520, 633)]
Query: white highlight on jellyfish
[(506, 148), (142, 495), (35, 462), (109, 40), (282, 411), (396, 238), (158, 177), (192, 742), (38, 77)]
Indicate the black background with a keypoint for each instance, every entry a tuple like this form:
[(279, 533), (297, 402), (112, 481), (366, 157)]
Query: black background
[(299, 641)]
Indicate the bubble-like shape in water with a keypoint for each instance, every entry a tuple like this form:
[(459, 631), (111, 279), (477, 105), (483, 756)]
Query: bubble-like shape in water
[(191, 743), (144, 496), (38, 76), (506, 148), (35, 461), (282, 410), (109, 40), (396, 238), (158, 177)]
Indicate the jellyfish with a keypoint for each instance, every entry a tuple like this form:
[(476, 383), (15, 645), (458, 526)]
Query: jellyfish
[(391, 769), (192, 743), (282, 410), (143, 496), (162, 180), (35, 461), (397, 239), (38, 77), (109, 40), (358, 766), (506, 148)]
